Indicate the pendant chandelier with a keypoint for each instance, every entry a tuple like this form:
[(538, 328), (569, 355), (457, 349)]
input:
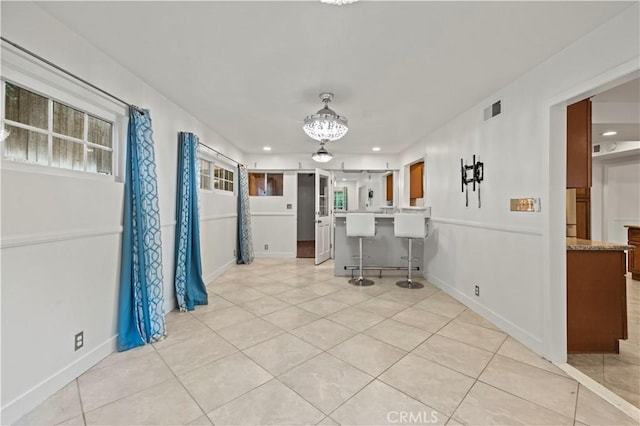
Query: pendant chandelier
[(338, 2), (325, 125), (322, 155)]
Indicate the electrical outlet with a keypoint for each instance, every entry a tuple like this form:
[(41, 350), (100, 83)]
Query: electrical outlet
[(478, 291), (78, 341), (266, 246)]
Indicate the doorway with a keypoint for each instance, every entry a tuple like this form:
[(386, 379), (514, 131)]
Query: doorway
[(306, 244), (613, 201), (554, 240)]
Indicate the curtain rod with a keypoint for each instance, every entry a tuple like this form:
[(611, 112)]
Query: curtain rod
[(93, 86), (219, 153), (70, 74)]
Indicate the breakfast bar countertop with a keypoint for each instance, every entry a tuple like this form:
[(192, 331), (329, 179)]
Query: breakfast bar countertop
[(580, 244)]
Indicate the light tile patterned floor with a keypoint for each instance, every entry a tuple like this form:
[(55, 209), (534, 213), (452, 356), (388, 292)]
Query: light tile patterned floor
[(619, 373), (284, 342)]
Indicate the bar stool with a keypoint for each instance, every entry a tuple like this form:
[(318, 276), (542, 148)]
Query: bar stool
[(361, 225), (411, 226)]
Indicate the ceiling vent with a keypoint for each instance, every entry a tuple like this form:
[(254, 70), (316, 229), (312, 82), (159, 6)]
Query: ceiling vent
[(493, 110)]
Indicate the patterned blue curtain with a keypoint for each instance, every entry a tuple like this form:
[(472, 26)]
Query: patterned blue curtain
[(245, 238), (141, 310), (190, 289)]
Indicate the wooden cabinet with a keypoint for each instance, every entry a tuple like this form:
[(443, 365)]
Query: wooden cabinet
[(390, 187), (633, 234), (583, 213), (596, 301), (579, 144), (416, 173)]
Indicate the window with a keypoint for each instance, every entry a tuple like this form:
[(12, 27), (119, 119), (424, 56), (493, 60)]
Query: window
[(46, 132), (340, 199), (269, 184), (205, 174), (213, 176), (222, 179)]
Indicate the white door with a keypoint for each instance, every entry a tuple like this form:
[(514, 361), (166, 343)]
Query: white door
[(323, 216)]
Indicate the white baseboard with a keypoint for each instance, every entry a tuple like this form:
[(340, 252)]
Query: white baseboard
[(221, 270), (523, 336), (617, 401), (275, 254), (29, 400)]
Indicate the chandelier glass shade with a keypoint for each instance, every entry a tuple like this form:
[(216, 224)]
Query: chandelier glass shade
[(325, 125), (322, 155)]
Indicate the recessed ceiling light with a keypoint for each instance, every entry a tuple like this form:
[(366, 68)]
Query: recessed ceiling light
[(376, 148), (267, 148), (610, 133), (344, 179)]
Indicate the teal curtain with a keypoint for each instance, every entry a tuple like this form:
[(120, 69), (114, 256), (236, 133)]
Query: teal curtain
[(190, 288), (141, 299), (245, 238)]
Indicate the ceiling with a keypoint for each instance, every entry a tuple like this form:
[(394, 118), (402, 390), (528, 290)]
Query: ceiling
[(627, 92), (253, 70), (627, 95)]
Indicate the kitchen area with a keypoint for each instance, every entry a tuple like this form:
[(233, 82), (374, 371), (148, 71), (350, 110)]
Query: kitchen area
[(376, 192), (603, 234)]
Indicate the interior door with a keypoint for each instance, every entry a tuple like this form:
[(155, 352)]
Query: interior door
[(323, 216)]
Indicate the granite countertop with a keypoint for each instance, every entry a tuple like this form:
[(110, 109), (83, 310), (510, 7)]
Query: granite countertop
[(632, 226), (579, 244)]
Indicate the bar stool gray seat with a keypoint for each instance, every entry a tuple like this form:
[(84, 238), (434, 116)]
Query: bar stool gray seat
[(411, 226), (361, 225)]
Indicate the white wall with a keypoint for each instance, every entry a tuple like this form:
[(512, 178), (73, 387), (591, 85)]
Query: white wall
[(505, 253), (615, 199), (277, 161), (272, 223), (373, 182), (61, 233), (352, 194)]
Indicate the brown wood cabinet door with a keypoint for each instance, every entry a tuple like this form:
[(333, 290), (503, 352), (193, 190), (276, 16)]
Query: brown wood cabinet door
[(416, 173), (596, 301), (389, 187), (583, 213), (579, 144)]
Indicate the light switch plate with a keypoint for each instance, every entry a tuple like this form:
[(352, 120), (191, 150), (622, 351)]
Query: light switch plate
[(525, 204)]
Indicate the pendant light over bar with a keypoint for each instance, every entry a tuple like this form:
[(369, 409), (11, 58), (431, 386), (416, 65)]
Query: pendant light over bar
[(322, 155)]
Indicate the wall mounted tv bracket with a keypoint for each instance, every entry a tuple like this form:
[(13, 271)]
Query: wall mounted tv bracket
[(471, 174)]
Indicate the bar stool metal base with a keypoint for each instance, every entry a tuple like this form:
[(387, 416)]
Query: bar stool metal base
[(409, 284), (361, 282)]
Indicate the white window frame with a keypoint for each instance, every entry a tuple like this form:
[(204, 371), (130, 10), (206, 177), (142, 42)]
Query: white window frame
[(215, 162), (20, 69), (86, 144)]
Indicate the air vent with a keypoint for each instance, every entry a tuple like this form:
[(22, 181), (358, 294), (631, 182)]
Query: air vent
[(493, 110), (596, 148)]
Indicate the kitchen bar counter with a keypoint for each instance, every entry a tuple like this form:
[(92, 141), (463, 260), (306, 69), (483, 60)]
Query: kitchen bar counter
[(596, 296), (579, 244), (382, 253)]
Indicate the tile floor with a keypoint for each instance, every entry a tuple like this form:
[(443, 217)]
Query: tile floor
[(293, 344), (619, 373)]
